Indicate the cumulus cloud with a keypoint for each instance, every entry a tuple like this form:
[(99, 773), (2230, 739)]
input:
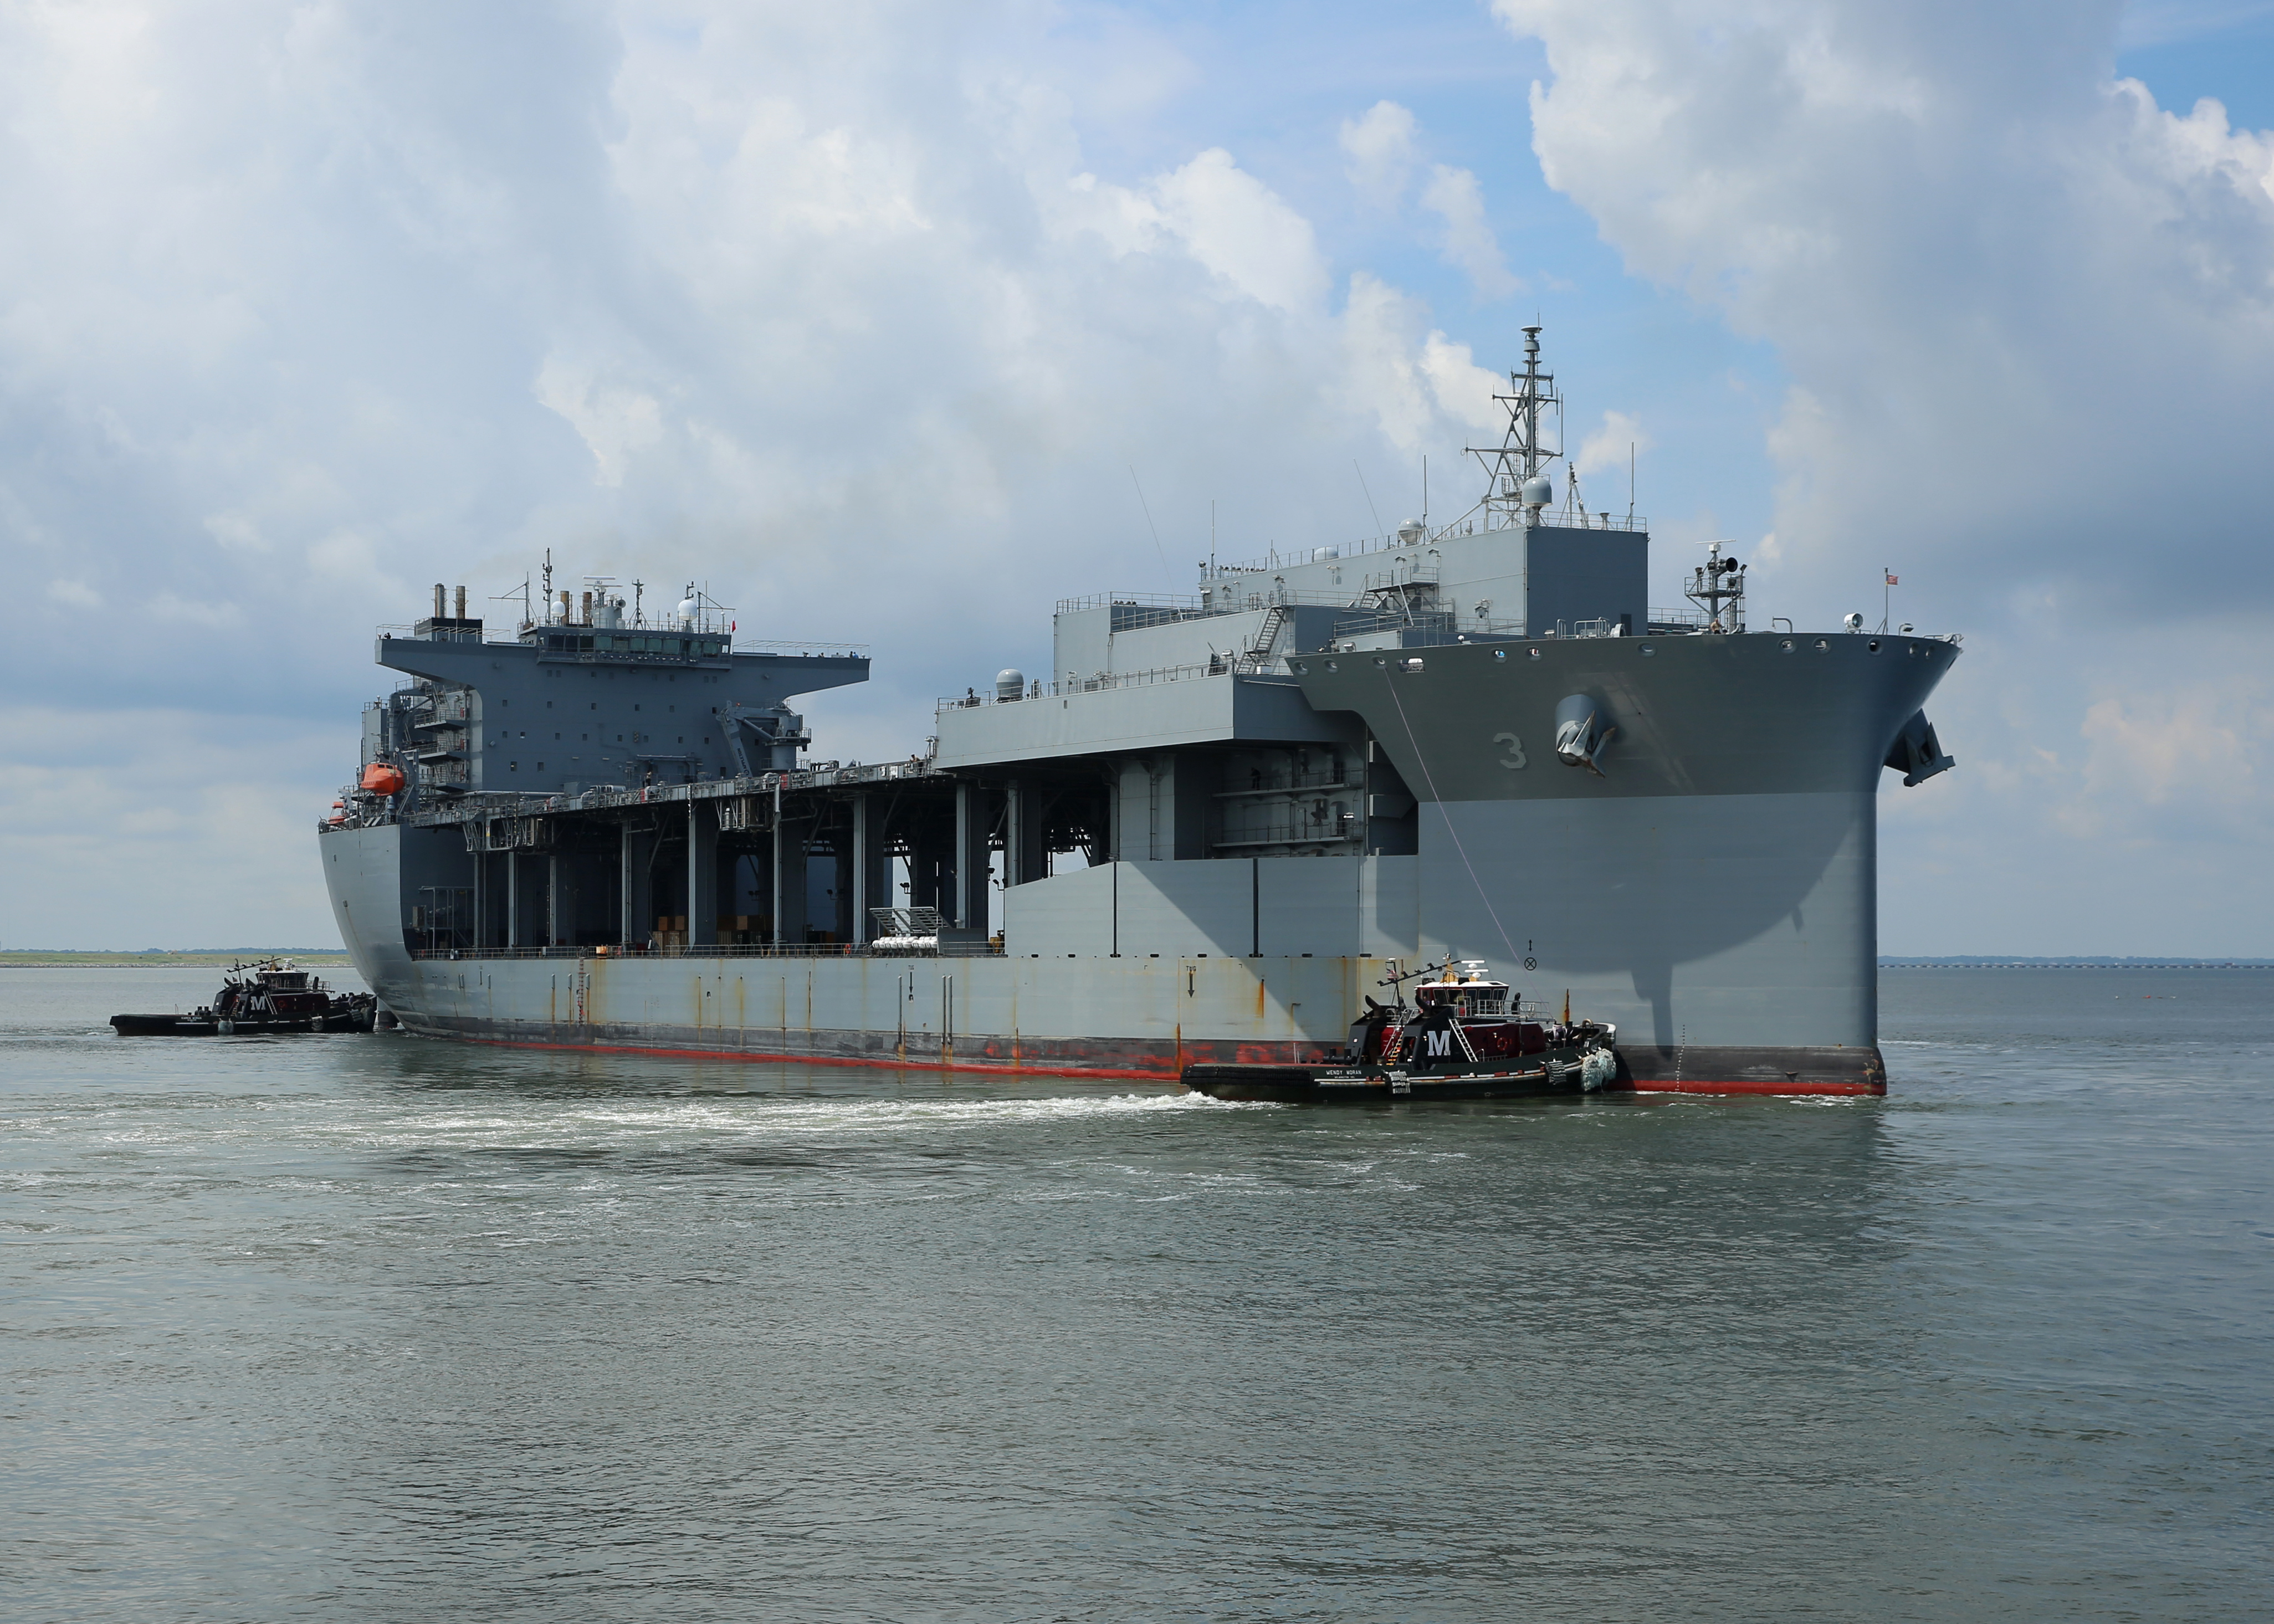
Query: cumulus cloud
[(161, 821), (2027, 317), (1380, 150), (1994, 276), (1240, 229), (613, 420), (1610, 442), (1455, 197), (308, 307), (1414, 383)]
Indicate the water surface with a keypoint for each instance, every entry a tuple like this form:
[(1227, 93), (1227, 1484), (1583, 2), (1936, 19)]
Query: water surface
[(372, 1327)]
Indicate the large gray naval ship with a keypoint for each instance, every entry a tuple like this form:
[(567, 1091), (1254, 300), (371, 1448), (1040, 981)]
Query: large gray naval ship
[(1207, 835)]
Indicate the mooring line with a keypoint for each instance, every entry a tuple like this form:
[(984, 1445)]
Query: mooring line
[(1430, 779)]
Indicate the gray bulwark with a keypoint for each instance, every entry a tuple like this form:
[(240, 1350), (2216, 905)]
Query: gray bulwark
[(567, 707), (1155, 715), (1741, 715)]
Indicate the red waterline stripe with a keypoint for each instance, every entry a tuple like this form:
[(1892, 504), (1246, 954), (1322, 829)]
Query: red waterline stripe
[(1749, 1085), (761, 1058)]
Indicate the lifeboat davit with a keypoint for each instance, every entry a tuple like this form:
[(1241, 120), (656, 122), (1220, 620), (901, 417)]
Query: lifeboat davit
[(383, 778)]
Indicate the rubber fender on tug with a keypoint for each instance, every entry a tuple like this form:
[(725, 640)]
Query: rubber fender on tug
[(1599, 1068)]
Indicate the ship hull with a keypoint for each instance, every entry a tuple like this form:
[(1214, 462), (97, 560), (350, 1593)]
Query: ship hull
[(1141, 1018), (1708, 884), (1708, 1070)]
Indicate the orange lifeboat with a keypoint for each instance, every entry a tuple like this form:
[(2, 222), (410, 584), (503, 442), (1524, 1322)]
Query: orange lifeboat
[(383, 778)]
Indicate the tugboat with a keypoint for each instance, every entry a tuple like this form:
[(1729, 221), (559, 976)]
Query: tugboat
[(1468, 1038), (275, 995)]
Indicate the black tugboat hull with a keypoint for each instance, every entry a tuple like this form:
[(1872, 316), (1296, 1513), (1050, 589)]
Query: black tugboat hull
[(1537, 1076), (207, 1027)]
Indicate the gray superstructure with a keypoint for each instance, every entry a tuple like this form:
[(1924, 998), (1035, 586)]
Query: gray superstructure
[(1199, 837)]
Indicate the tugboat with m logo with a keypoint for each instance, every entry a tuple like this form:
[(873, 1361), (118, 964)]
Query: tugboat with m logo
[(1467, 1037)]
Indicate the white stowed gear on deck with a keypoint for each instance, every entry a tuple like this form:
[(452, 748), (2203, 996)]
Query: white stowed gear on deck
[(1599, 1068)]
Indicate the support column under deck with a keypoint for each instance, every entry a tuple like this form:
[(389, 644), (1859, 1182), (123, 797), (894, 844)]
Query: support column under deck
[(973, 826), (872, 867), (790, 838), (560, 912), (702, 873), (840, 884), (635, 903), (860, 869), (1023, 859)]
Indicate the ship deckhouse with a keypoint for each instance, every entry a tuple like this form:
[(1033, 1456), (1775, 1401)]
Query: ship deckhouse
[(591, 694)]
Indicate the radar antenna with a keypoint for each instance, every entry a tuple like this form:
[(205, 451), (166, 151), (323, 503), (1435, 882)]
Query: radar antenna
[(1716, 582), (1517, 485)]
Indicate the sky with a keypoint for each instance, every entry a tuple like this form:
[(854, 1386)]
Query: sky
[(877, 318)]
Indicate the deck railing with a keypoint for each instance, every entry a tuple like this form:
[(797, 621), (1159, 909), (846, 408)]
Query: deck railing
[(721, 949)]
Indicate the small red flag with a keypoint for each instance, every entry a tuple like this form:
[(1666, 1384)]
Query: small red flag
[(1893, 581)]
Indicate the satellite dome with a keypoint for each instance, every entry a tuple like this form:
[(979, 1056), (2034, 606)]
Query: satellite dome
[(1538, 491), (1010, 683), (689, 608), (1411, 531)]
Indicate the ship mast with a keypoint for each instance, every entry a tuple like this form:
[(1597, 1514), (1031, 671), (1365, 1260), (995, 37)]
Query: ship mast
[(1517, 483), (1719, 581)]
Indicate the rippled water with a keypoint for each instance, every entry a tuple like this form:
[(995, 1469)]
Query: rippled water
[(369, 1328)]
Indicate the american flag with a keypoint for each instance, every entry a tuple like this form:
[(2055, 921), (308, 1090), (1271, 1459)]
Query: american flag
[(1893, 581)]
